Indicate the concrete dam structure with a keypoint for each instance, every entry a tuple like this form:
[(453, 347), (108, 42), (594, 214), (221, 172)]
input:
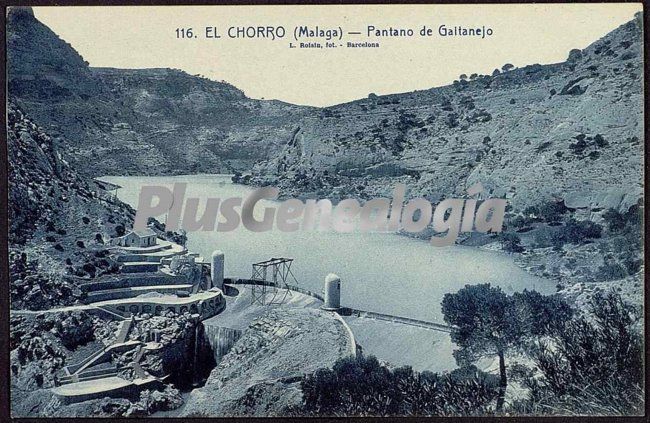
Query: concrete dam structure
[(155, 279)]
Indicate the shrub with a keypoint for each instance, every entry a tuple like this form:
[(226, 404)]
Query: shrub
[(90, 269), (583, 230), (592, 365), (510, 242), (614, 219), (363, 387), (611, 271), (578, 232), (552, 211), (574, 55), (630, 221), (520, 221), (600, 141), (579, 146), (632, 265), (544, 237)]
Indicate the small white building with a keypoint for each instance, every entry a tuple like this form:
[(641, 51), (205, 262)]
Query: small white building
[(145, 238)]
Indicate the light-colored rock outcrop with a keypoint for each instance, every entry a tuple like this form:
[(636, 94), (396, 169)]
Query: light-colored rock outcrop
[(260, 375)]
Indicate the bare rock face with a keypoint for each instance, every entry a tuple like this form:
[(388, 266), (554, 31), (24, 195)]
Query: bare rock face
[(63, 214), (148, 121), (185, 356), (530, 134), (149, 402), (260, 375)]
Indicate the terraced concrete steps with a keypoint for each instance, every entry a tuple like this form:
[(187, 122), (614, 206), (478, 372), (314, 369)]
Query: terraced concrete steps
[(127, 281), (88, 375), (139, 267), (119, 293)]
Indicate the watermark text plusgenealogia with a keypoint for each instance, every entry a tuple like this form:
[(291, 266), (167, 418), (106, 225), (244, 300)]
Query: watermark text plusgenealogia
[(448, 218)]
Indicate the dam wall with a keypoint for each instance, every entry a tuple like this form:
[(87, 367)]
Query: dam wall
[(345, 311), (221, 339)]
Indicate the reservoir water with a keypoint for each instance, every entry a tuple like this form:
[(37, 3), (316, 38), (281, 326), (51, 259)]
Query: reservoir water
[(380, 272)]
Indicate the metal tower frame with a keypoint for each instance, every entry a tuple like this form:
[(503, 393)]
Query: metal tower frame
[(268, 278)]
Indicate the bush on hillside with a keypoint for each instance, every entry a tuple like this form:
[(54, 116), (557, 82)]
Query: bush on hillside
[(363, 387)]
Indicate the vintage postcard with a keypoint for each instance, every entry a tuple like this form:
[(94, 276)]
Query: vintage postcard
[(326, 210)]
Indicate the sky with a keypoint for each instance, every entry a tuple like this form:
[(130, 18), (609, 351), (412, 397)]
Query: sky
[(146, 37)]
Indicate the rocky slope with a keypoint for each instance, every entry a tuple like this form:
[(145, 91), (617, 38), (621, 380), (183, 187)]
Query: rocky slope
[(42, 344), (150, 121), (569, 131), (260, 376), (58, 220)]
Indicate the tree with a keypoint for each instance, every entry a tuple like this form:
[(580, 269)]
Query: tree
[(507, 67), (544, 314), (488, 322), (462, 77), (495, 72), (473, 76), (120, 230), (485, 326)]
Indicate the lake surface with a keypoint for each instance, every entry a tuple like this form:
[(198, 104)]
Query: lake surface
[(380, 272)]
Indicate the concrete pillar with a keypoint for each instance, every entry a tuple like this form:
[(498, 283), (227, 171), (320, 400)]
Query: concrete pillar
[(332, 297), (217, 268)]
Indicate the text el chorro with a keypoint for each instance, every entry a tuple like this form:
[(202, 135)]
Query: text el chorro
[(448, 218)]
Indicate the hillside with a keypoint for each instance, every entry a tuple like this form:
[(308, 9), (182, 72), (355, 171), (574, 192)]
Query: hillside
[(149, 121), (566, 134), (58, 220), (568, 131)]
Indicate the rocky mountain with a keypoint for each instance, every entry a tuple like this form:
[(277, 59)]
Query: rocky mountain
[(568, 131), (58, 220), (149, 121)]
